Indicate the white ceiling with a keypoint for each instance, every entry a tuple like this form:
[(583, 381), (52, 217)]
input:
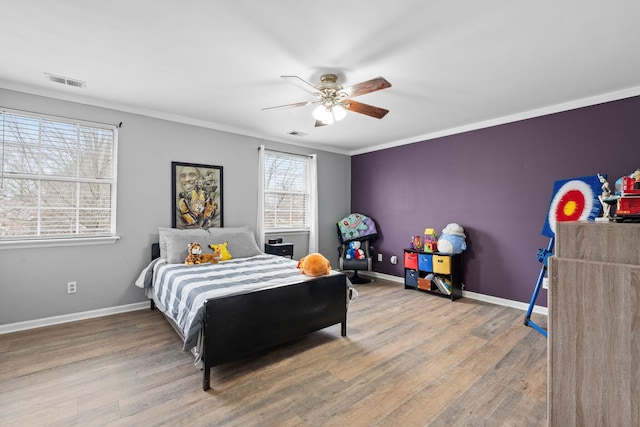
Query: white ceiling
[(453, 65)]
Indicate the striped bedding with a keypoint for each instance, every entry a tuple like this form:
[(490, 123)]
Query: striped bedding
[(180, 291)]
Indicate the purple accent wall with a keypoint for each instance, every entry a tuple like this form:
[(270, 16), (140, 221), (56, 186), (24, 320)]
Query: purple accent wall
[(496, 183)]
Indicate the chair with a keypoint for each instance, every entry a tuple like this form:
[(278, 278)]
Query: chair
[(355, 264), (361, 228)]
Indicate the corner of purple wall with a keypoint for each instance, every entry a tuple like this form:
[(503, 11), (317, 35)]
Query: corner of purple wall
[(496, 182)]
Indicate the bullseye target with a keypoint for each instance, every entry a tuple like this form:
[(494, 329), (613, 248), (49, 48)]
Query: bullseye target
[(572, 200)]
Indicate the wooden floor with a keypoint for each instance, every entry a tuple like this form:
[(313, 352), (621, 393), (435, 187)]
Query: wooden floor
[(410, 359)]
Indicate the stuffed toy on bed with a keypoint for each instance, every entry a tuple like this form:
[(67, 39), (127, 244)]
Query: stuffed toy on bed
[(195, 255), (222, 249), (314, 264)]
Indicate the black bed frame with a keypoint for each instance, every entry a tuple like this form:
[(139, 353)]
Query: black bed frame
[(240, 325)]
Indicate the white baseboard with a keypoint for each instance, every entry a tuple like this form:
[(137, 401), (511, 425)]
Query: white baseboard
[(471, 295), (55, 320), (66, 318)]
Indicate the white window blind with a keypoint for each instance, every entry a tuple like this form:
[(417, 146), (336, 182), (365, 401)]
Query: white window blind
[(57, 177), (286, 191)]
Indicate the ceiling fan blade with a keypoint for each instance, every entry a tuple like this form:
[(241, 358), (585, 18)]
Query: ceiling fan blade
[(305, 84), (297, 104), (369, 86), (319, 123), (369, 110)]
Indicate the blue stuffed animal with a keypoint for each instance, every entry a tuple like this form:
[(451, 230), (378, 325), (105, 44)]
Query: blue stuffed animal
[(452, 239), (354, 251)]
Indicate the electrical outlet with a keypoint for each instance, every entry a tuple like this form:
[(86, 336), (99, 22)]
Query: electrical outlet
[(394, 259), (71, 287), (379, 257)]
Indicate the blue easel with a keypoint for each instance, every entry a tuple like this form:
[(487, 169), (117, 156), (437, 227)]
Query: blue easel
[(561, 208), (543, 256)]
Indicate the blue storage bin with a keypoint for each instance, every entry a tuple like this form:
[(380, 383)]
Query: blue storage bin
[(411, 278), (425, 262)]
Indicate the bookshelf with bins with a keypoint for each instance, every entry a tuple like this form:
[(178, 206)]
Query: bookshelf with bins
[(433, 272)]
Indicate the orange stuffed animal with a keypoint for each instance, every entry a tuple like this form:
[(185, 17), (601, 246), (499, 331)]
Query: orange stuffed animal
[(196, 256), (314, 264)]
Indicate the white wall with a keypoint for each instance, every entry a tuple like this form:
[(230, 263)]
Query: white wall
[(33, 282)]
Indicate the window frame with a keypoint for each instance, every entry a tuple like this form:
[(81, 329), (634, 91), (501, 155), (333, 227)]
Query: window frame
[(307, 193), (70, 239)]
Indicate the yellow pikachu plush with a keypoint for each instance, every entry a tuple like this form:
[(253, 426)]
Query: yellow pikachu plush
[(222, 248)]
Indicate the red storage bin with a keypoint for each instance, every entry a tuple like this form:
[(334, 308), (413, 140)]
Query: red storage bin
[(411, 260)]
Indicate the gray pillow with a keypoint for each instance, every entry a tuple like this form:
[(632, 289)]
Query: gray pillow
[(217, 232), (241, 244), (174, 242)]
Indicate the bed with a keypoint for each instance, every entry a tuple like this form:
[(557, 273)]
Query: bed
[(235, 308)]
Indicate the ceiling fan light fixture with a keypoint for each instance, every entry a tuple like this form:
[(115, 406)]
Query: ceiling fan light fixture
[(339, 112), (334, 100), (318, 112), (323, 114)]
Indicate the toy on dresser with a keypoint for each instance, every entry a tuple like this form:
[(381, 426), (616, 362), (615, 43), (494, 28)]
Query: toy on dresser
[(416, 242), (628, 198), (430, 240), (452, 239)]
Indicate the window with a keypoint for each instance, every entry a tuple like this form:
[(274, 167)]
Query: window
[(287, 198), (57, 178)]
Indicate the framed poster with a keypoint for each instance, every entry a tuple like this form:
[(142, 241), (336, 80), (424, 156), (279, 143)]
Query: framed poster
[(196, 199)]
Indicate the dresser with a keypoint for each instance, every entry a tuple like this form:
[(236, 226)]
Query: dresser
[(594, 325)]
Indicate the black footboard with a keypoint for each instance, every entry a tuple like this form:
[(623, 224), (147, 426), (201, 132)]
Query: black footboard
[(241, 325)]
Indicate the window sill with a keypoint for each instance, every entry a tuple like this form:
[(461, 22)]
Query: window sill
[(286, 231), (48, 243)]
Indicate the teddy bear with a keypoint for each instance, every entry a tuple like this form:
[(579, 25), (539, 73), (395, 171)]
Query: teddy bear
[(195, 255), (452, 239), (314, 264), (354, 251)]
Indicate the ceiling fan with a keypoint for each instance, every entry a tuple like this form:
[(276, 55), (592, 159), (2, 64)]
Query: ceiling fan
[(335, 100)]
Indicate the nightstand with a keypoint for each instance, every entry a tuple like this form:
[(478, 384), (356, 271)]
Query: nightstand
[(282, 249)]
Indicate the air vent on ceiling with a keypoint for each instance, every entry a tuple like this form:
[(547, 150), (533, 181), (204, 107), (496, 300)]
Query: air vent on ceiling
[(297, 133), (65, 80)]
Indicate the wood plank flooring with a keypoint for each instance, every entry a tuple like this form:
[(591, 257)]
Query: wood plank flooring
[(410, 359)]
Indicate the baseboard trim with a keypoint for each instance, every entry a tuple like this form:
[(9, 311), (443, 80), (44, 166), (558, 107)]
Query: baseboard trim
[(66, 318), (471, 295)]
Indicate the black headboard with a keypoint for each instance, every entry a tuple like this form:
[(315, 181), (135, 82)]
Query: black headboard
[(155, 251)]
